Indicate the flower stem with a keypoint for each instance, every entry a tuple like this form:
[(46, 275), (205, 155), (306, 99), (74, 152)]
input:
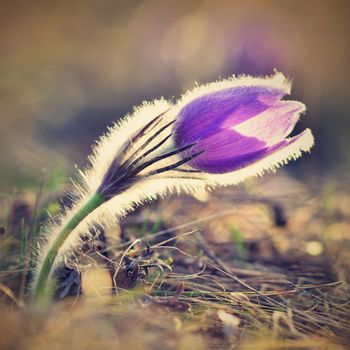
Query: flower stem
[(43, 288)]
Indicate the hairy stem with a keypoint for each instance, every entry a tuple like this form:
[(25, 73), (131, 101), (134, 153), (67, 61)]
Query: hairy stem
[(43, 284)]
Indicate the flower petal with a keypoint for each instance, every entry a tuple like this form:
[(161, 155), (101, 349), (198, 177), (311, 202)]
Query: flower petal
[(209, 113), (226, 151), (274, 124), (273, 158)]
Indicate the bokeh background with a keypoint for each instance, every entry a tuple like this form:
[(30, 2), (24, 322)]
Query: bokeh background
[(70, 68)]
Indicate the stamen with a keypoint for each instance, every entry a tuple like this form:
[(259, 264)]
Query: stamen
[(173, 166), (130, 175), (161, 157), (188, 170), (116, 167), (150, 151), (148, 127), (144, 145)]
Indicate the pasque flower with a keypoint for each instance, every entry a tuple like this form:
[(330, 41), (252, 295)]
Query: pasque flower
[(240, 123), (218, 134)]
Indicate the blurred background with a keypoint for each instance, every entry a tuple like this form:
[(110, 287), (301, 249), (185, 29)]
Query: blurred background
[(70, 68)]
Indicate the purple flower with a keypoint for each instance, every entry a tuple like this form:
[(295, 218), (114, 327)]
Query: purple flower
[(240, 122)]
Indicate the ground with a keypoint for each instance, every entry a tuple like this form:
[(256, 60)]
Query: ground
[(260, 266)]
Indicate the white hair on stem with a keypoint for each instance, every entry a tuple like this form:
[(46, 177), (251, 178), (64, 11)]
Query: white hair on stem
[(104, 152)]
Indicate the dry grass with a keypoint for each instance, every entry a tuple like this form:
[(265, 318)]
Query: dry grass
[(263, 267)]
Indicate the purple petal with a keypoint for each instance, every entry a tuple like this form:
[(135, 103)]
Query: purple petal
[(233, 148), (226, 151), (241, 157), (205, 115), (235, 126), (274, 124)]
